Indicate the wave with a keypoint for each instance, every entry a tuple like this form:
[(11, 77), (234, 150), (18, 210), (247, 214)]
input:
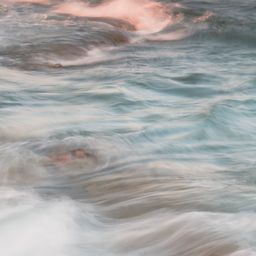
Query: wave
[(124, 200), (81, 230), (145, 15), (112, 24), (73, 52)]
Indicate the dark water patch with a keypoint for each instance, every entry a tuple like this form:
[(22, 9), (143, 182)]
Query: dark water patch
[(116, 23), (195, 92), (233, 23), (232, 36), (59, 43), (57, 55), (198, 78), (190, 86)]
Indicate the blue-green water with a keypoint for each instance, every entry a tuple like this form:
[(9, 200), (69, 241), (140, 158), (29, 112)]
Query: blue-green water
[(164, 118)]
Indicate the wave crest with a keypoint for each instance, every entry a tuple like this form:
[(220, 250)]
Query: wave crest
[(145, 15)]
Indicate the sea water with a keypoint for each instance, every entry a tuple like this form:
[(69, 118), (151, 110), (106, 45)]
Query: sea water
[(127, 127)]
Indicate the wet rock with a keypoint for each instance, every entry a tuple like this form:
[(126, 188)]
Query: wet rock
[(55, 65), (70, 156)]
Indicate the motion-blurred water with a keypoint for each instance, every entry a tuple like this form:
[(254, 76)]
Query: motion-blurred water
[(128, 128)]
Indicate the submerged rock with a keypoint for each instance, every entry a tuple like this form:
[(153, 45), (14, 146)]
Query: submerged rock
[(55, 65), (70, 156)]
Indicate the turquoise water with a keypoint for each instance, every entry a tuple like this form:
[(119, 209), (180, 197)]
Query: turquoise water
[(161, 103)]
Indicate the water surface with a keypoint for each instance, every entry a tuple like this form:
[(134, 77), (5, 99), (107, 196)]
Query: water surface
[(127, 128)]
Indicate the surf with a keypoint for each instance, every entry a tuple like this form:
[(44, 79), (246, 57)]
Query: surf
[(145, 15)]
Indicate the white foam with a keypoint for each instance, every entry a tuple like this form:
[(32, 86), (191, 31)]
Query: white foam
[(30, 226), (145, 15), (171, 36), (94, 56)]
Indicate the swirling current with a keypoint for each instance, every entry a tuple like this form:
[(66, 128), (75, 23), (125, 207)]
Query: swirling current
[(128, 127)]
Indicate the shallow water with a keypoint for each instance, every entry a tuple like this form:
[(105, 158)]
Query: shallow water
[(160, 100)]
